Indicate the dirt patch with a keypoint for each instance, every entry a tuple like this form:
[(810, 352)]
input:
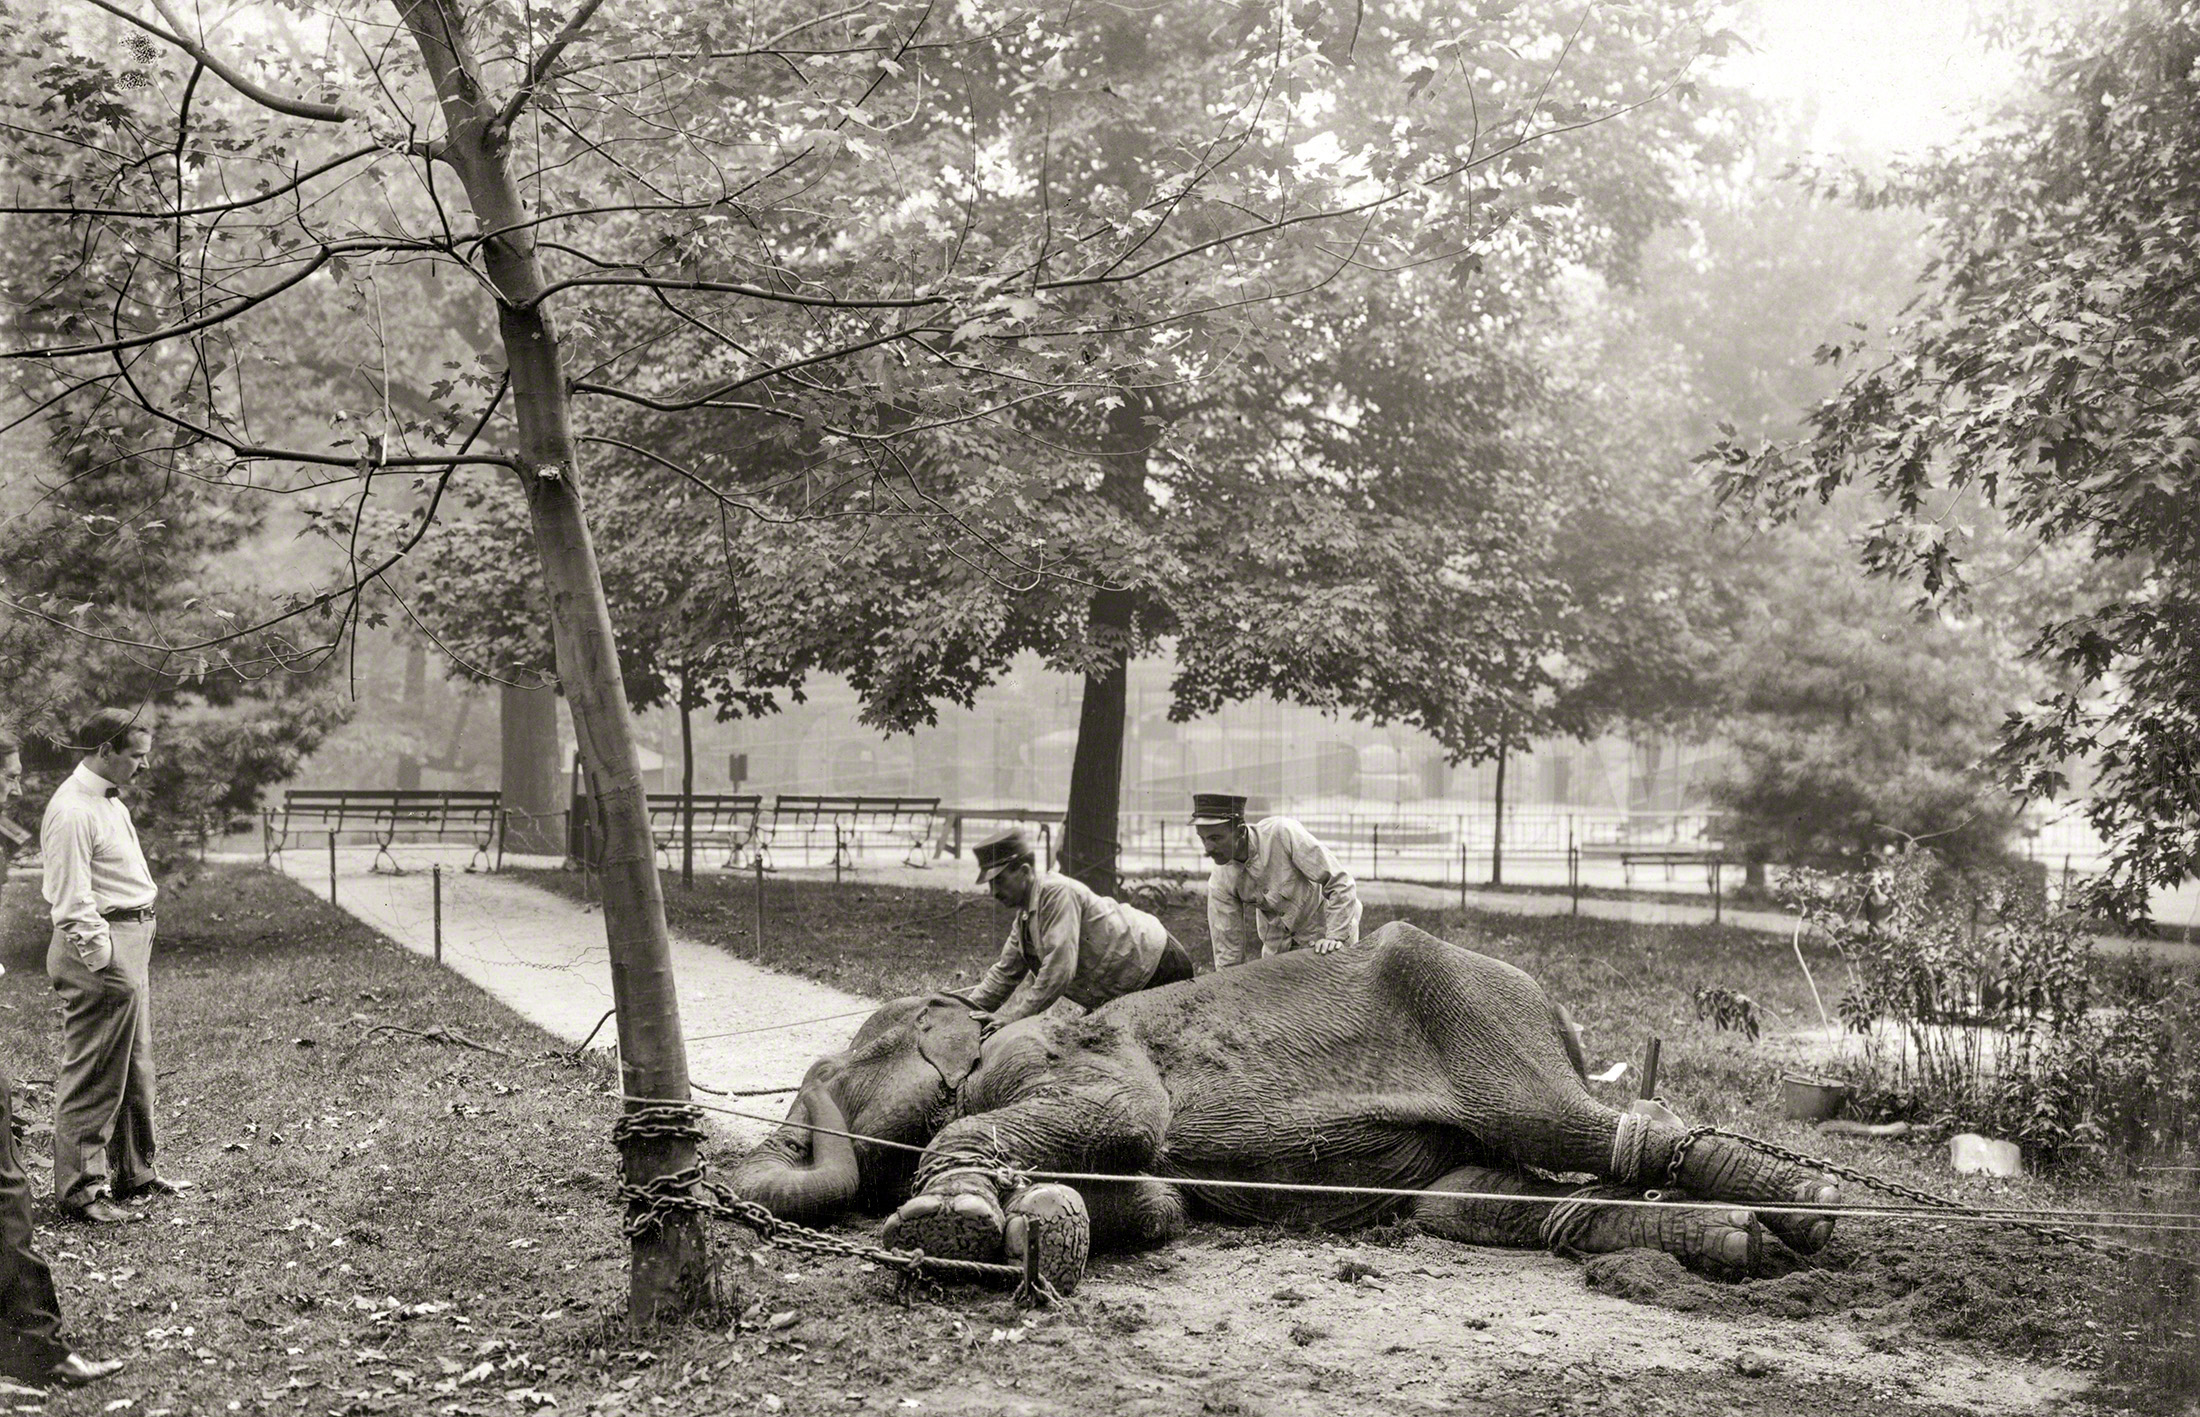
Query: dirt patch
[(1268, 1322)]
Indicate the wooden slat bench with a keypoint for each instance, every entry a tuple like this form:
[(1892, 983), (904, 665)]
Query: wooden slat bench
[(850, 818), (1047, 819), (726, 820), (383, 815), (1710, 858)]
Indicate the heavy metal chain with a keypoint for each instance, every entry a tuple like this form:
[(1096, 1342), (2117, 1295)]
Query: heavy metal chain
[(1864, 1178), (659, 1199)]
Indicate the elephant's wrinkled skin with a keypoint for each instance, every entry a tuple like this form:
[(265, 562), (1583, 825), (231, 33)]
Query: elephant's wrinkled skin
[(1407, 1062)]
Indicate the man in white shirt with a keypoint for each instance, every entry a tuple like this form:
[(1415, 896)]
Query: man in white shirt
[(31, 1347), (100, 961), (1274, 887)]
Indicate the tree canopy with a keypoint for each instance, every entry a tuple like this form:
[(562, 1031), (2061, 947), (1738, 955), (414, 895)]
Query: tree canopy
[(2051, 368)]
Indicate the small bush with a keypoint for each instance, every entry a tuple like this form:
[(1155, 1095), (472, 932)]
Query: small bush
[(1981, 1005)]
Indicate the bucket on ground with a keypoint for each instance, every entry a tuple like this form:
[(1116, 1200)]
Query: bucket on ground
[(1811, 1099)]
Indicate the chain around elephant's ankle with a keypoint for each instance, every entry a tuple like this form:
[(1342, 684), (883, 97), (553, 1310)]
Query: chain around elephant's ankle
[(1002, 1177)]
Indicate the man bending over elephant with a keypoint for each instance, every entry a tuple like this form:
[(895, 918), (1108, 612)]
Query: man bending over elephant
[(1067, 940), (1274, 886), (1408, 1064)]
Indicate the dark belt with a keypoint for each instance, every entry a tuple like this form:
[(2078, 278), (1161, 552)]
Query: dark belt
[(127, 916)]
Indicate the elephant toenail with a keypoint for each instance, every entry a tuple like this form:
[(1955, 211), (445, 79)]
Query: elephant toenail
[(1734, 1249)]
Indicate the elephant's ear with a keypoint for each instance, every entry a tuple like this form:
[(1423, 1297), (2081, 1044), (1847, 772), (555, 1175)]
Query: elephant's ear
[(949, 1038)]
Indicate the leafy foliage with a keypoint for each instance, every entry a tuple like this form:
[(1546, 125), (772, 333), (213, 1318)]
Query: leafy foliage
[(1857, 724), (1979, 1002), (2049, 367)]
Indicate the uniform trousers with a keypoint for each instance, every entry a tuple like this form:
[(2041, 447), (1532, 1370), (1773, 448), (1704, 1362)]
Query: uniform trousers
[(103, 1098), (30, 1313)]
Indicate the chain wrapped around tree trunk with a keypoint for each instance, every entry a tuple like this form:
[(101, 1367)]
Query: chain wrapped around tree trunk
[(649, 1205)]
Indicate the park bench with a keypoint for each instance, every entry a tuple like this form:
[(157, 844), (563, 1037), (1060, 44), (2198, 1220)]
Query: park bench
[(725, 820), (1668, 857), (950, 840), (852, 818), (384, 815)]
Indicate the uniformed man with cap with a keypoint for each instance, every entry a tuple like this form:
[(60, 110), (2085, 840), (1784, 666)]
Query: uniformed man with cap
[(1274, 886), (1067, 940)]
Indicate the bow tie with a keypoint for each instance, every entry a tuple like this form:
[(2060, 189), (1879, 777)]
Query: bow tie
[(114, 792)]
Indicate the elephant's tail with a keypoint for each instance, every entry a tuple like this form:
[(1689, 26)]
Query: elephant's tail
[(1569, 1033)]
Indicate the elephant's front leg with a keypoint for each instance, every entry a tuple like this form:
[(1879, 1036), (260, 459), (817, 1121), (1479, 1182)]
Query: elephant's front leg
[(969, 1204), (1551, 1215)]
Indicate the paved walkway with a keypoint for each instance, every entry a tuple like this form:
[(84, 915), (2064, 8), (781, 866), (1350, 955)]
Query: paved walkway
[(747, 1027)]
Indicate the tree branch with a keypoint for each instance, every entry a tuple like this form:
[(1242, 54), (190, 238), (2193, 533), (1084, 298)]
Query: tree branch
[(539, 71), (295, 107)]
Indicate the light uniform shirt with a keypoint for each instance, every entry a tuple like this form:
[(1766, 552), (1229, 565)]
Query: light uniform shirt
[(92, 858), (1075, 944), (1289, 891)]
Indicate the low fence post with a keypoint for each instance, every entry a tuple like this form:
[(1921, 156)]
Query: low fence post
[(438, 873), (836, 853), (1715, 902), (1375, 851), (1462, 868), (332, 868), (759, 954)]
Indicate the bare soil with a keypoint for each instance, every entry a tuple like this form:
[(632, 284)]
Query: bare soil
[(1260, 1322)]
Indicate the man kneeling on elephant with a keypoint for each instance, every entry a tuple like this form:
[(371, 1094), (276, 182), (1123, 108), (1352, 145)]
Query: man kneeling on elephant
[(1068, 940)]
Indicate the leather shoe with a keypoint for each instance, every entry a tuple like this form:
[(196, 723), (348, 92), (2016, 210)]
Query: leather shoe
[(77, 1370), (158, 1186), (100, 1211)]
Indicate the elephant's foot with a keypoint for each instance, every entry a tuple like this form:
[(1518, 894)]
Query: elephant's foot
[(960, 1219), (1722, 1168), (1050, 1221), (1723, 1242)]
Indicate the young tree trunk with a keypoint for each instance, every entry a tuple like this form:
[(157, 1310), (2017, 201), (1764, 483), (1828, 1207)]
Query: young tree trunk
[(1497, 825), (1089, 845), (669, 1271), (687, 780)]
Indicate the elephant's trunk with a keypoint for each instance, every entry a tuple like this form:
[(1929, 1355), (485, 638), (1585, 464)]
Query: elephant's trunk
[(798, 1173)]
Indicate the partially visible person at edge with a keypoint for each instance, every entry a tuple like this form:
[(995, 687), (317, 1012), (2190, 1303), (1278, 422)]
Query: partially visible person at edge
[(1274, 887), (1068, 940), (31, 1346), (100, 961)]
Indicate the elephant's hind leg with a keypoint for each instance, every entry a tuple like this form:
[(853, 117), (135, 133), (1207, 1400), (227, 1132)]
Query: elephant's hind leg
[(1724, 1242), (1730, 1169)]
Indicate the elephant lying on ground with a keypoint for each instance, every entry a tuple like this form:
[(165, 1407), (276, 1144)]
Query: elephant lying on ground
[(1405, 1063)]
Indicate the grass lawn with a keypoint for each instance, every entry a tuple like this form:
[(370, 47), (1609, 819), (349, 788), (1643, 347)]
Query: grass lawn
[(381, 1223), (384, 1223)]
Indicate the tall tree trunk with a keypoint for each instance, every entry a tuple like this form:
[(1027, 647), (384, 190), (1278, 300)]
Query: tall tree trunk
[(669, 1260), (687, 780), (1090, 849), (530, 770), (1497, 824)]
